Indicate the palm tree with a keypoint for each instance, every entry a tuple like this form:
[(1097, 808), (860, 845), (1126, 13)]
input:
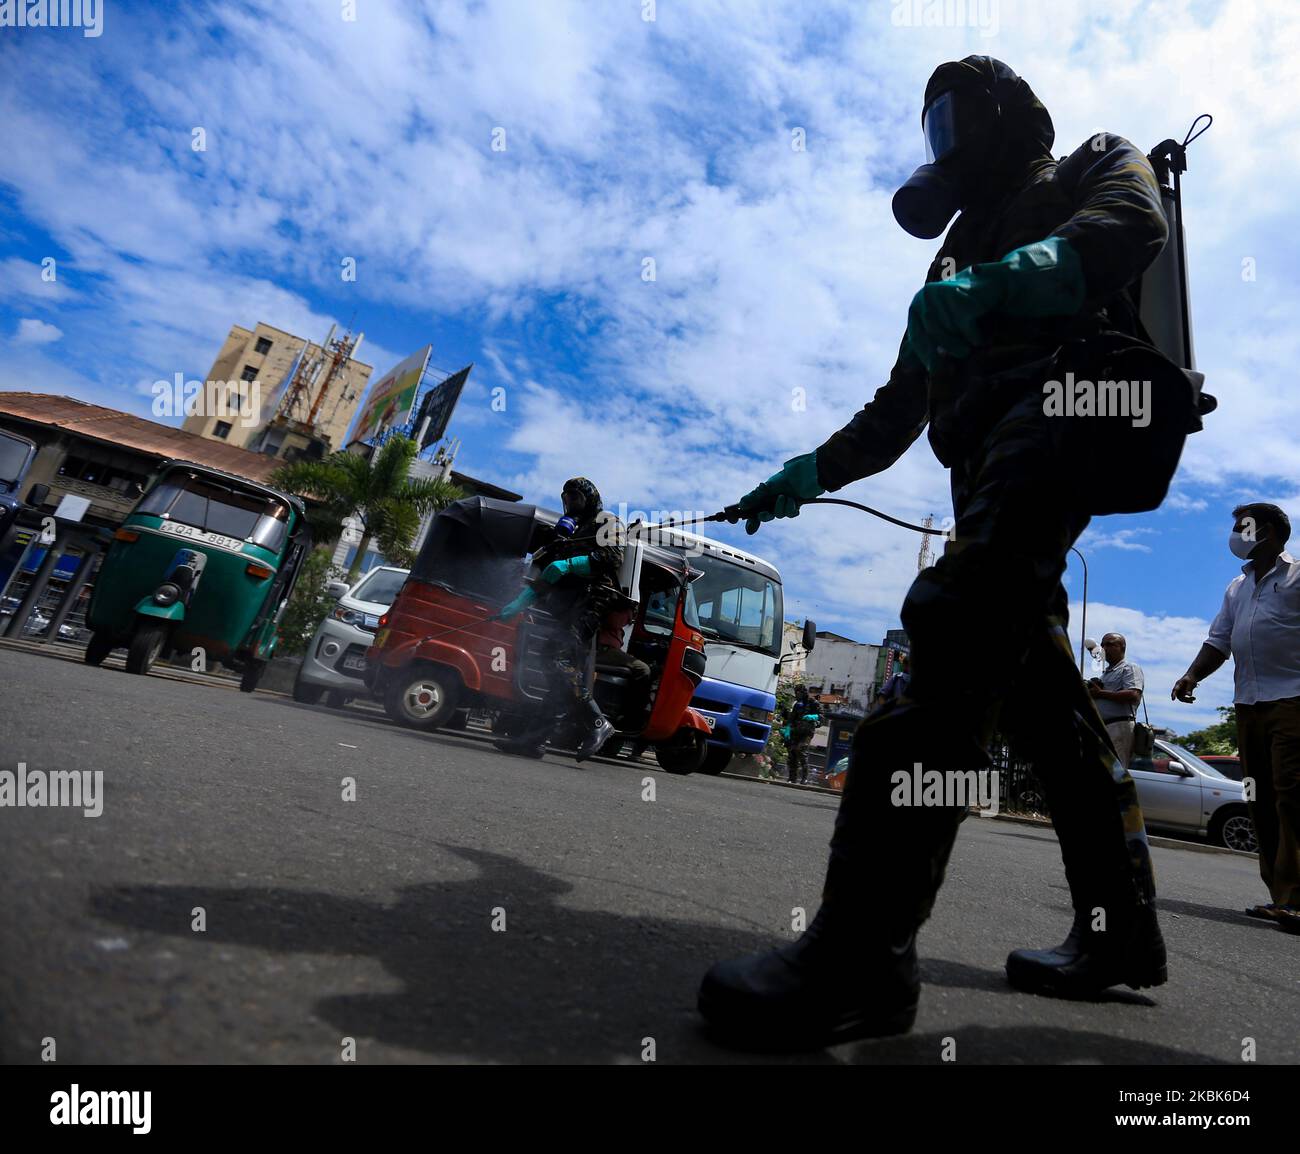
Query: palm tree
[(379, 492)]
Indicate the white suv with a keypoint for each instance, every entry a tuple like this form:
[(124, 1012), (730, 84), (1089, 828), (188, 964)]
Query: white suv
[(335, 660)]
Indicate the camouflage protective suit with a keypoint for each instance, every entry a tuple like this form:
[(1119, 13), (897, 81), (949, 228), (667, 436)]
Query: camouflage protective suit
[(999, 576), (579, 604)]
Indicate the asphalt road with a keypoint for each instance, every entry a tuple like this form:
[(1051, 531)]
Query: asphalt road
[(372, 918)]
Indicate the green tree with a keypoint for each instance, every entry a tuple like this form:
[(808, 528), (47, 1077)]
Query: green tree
[(379, 492), (309, 604), (1220, 737)]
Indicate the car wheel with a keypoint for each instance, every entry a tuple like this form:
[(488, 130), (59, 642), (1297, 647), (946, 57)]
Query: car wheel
[(337, 699), (716, 760), (683, 753), (98, 647), (305, 693), (1233, 828), (146, 645), (421, 697)]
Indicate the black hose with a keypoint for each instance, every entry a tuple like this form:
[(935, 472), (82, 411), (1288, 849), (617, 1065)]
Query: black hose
[(733, 514)]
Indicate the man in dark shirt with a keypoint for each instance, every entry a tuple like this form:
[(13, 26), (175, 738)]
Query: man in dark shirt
[(803, 717)]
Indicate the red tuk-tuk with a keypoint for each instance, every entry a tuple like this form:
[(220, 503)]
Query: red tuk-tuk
[(436, 654)]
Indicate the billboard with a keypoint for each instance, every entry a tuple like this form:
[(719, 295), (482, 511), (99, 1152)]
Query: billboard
[(392, 396), (437, 406)]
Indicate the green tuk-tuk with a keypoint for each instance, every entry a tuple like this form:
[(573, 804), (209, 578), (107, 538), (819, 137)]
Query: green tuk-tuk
[(205, 560)]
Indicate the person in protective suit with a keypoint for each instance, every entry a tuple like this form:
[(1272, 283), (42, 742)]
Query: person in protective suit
[(1042, 253), (578, 586), (802, 717)]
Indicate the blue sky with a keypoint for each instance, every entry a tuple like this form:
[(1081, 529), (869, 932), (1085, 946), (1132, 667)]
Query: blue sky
[(629, 138)]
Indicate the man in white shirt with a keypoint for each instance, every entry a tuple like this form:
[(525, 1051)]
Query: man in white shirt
[(1117, 693), (1259, 627)]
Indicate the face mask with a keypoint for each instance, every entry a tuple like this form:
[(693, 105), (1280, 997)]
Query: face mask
[(1240, 546)]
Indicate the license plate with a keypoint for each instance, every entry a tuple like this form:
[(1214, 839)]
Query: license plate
[(190, 533), (354, 662), (709, 721)]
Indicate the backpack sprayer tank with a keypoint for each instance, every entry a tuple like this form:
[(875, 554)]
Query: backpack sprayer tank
[(1164, 297)]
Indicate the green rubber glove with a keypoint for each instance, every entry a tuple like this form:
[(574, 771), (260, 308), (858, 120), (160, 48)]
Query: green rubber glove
[(1044, 279), (518, 605), (575, 566), (782, 493)]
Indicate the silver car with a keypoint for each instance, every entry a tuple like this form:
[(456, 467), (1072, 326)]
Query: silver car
[(335, 660), (1179, 791)]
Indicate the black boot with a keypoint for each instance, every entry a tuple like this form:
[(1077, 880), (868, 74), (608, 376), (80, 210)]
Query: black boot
[(832, 985), (521, 747), (1130, 953), (532, 741), (600, 731)]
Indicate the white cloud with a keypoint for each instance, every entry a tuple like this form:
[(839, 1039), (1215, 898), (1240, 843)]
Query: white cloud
[(36, 332), (628, 139)]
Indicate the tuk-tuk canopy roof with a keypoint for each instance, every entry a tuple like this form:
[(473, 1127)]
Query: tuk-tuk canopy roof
[(478, 544), (233, 479)]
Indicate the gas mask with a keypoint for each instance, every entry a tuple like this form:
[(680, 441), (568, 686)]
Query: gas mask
[(959, 126)]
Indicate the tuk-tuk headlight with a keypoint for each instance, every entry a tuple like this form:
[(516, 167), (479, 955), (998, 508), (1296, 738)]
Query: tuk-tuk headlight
[(167, 594)]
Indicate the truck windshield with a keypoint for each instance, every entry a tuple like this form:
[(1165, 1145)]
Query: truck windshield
[(213, 507), (737, 604), (13, 456), (380, 586)]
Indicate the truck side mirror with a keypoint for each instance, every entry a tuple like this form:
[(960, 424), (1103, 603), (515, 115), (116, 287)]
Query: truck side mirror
[(809, 635), (37, 495)]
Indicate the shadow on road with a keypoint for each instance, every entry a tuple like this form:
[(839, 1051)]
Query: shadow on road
[(558, 985)]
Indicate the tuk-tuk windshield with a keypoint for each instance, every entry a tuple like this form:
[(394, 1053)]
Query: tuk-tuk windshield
[(13, 456), (207, 504), (661, 609)]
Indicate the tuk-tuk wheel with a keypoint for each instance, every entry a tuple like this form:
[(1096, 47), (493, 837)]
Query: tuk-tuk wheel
[(98, 647), (145, 648), (421, 697), (252, 674), (683, 753)]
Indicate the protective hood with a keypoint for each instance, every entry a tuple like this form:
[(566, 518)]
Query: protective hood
[(581, 500), (989, 127)]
